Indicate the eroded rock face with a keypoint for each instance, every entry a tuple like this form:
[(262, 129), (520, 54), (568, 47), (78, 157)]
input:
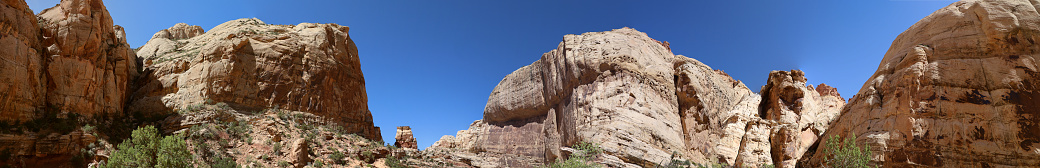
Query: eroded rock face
[(21, 63), (89, 65), (957, 89), (249, 64), (800, 112), (633, 97), (715, 111), (404, 138)]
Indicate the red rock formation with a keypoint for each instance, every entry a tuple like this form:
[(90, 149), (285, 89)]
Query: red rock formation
[(89, 65), (404, 138)]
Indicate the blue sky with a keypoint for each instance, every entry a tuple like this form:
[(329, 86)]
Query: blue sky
[(432, 64)]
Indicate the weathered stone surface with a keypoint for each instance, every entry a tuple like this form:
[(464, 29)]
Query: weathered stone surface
[(800, 112), (404, 138), (715, 111), (40, 145), (249, 64), (21, 64), (299, 153), (179, 31), (755, 146), (957, 89), (636, 99), (89, 65)]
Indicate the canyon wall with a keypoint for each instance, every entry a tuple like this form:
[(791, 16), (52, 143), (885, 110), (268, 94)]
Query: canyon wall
[(957, 89), (642, 105)]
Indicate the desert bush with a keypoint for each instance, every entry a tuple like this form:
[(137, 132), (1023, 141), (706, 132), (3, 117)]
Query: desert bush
[(173, 152), (845, 154), (337, 157), (581, 159), (146, 148)]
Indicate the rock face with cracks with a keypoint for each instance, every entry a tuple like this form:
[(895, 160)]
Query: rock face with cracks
[(638, 101), (251, 65), (70, 58), (960, 88)]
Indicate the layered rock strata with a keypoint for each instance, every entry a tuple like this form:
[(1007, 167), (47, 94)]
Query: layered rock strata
[(404, 138)]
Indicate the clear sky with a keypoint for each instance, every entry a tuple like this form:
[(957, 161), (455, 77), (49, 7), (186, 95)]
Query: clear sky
[(432, 64)]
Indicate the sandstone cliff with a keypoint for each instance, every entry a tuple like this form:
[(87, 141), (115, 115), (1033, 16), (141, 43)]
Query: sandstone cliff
[(251, 65), (58, 69), (70, 57), (957, 89), (642, 104), (21, 71)]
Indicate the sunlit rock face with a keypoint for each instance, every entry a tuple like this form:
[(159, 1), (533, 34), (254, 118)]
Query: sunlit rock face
[(641, 103), (252, 65), (957, 89)]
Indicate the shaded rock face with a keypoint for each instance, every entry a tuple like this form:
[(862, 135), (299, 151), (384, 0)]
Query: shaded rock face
[(638, 101), (957, 89), (404, 138), (89, 65), (250, 65)]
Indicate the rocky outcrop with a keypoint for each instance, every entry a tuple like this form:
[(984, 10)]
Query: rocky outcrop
[(251, 65), (800, 112), (89, 65), (641, 104), (404, 138), (957, 89)]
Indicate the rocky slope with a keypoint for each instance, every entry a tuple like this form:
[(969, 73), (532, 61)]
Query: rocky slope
[(957, 89), (251, 65), (642, 104)]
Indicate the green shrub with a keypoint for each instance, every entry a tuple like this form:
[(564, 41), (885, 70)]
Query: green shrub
[(581, 159), (224, 162), (337, 157), (138, 151), (845, 153), (318, 164), (277, 148), (146, 148), (283, 164), (395, 162), (173, 152)]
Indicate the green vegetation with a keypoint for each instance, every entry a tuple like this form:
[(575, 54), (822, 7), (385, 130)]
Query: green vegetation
[(337, 157), (845, 153), (582, 158), (173, 152), (48, 120), (145, 148), (395, 162)]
